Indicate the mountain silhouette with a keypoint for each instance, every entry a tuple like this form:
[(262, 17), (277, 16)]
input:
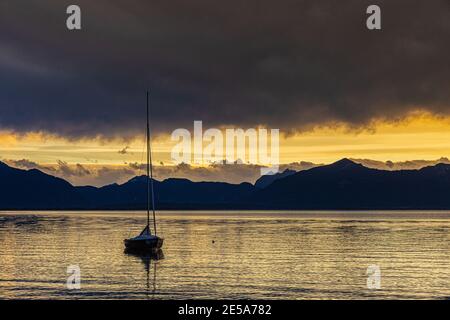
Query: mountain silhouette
[(33, 189), (267, 179), (340, 185), (348, 185), (170, 193)]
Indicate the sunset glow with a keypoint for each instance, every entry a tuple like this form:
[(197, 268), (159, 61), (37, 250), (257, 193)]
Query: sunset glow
[(418, 136)]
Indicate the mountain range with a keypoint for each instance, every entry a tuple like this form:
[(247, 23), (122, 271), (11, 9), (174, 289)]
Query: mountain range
[(340, 185)]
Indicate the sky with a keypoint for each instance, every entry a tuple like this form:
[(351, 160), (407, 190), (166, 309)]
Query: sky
[(72, 103)]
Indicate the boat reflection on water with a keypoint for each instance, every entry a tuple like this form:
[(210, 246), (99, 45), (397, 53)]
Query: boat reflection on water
[(145, 255), (147, 258)]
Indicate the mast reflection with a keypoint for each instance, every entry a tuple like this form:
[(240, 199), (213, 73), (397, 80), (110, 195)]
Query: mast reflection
[(147, 258)]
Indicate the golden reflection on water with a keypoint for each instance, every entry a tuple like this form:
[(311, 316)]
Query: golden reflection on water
[(274, 255)]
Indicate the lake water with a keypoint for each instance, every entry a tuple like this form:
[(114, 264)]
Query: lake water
[(255, 255)]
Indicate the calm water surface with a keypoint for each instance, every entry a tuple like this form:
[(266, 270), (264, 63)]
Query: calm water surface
[(275, 255)]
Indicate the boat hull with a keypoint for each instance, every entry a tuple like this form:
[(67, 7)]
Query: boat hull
[(144, 245)]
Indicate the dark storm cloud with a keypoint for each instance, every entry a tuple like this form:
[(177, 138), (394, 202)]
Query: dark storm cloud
[(286, 64)]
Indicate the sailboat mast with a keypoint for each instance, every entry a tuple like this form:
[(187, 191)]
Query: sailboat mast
[(150, 174), (148, 167)]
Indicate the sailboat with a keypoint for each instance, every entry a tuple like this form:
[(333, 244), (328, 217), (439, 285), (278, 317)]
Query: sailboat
[(146, 241)]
